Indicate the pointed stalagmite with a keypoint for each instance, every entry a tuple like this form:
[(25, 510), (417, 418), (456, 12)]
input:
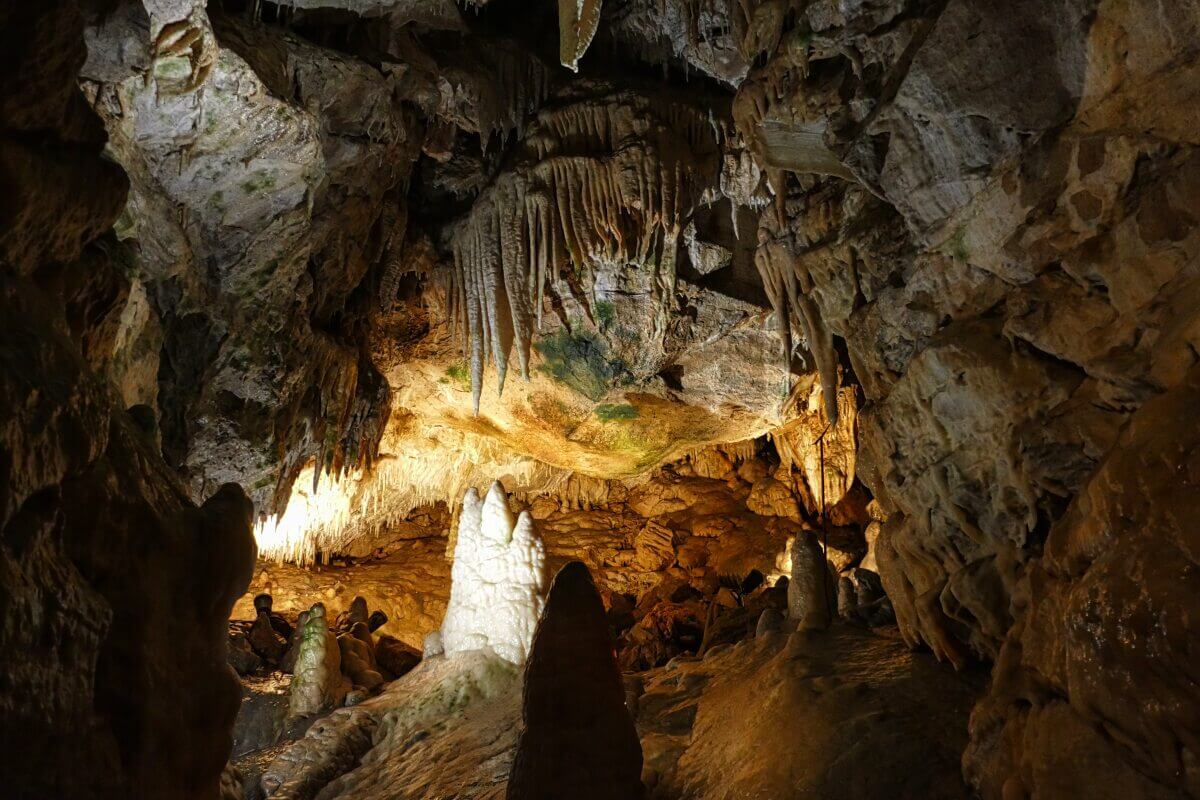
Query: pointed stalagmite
[(579, 740)]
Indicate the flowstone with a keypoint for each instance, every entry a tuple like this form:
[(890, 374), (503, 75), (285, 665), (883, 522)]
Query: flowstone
[(498, 580)]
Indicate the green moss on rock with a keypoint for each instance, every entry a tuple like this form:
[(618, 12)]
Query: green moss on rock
[(582, 361), (610, 412)]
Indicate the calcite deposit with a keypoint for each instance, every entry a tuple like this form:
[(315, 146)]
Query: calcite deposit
[(498, 581)]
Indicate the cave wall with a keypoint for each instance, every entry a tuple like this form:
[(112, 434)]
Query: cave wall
[(266, 177), (1012, 273), (115, 586), (976, 219)]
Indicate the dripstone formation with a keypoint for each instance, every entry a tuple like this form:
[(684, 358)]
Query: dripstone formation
[(578, 739)]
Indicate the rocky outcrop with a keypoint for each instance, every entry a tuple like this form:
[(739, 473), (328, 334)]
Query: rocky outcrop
[(448, 727), (578, 739), (1099, 660), (249, 191), (843, 713), (1009, 292)]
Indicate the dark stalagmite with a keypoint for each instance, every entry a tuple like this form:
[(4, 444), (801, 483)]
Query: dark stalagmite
[(579, 741)]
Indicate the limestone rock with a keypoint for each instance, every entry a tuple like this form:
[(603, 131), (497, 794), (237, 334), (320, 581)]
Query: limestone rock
[(579, 739), (358, 662), (446, 728), (1122, 557), (394, 657), (357, 612), (771, 620), (654, 547), (265, 640), (117, 586), (807, 717), (772, 498), (241, 657)]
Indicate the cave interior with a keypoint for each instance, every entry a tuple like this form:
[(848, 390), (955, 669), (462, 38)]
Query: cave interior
[(599, 399)]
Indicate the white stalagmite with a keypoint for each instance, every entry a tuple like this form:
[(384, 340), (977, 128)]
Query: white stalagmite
[(498, 580)]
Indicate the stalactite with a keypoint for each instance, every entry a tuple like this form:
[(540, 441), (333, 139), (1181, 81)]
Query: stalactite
[(794, 308), (367, 499), (577, 23), (600, 180)]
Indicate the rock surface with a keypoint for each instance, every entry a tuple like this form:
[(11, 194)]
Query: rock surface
[(105, 557), (925, 268), (449, 726), (843, 713), (1098, 663)]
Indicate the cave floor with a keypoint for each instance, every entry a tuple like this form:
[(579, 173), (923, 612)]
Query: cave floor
[(849, 712)]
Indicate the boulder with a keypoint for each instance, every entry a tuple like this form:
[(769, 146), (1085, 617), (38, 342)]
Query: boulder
[(241, 657), (394, 657), (654, 547), (265, 640)]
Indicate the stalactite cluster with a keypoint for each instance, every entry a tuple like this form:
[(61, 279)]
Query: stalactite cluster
[(603, 179), (796, 313)]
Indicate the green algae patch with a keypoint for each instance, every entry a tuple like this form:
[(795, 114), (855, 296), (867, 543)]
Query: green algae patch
[(616, 412), (581, 361)]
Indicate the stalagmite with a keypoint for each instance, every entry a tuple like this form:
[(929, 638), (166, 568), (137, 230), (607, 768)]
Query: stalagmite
[(812, 590), (579, 740), (497, 581), (318, 684)]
